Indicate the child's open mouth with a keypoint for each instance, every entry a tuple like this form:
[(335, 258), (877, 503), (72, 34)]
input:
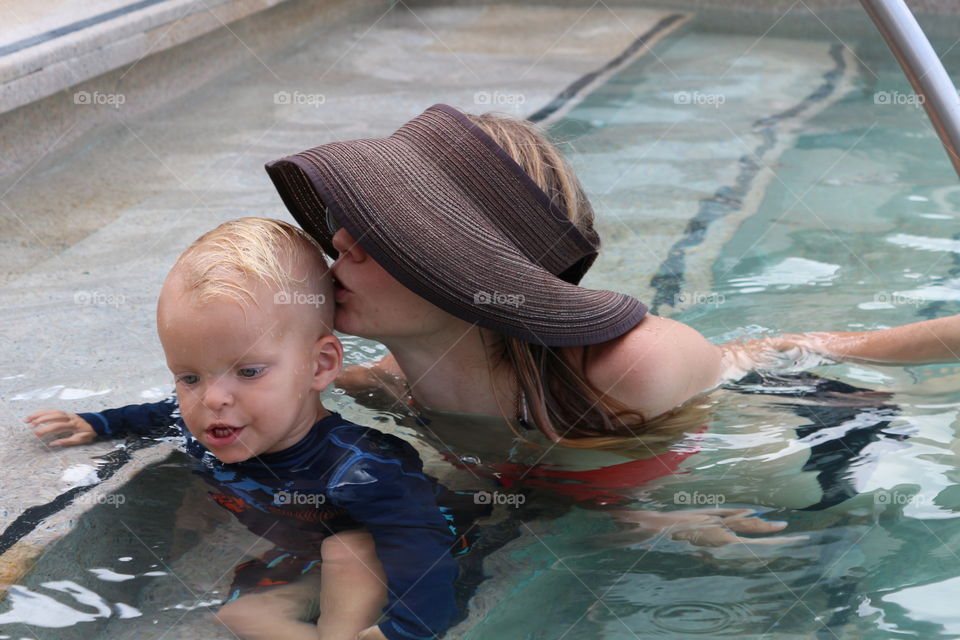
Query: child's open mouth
[(220, 435)]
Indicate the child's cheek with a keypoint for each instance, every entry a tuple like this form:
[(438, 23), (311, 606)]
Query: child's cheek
[(190, 417)]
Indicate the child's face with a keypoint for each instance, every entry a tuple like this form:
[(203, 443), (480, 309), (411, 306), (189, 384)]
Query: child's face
[(248, 377)]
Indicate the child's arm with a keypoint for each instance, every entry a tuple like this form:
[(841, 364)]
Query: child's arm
[(383, 488), (83, 428)]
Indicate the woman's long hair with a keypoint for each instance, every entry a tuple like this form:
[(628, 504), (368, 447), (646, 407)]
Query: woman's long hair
[(563, 404)]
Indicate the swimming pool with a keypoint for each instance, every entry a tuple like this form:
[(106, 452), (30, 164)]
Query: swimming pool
[(761, 187)]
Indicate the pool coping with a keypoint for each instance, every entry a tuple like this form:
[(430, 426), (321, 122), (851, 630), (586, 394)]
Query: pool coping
[(42, 64)]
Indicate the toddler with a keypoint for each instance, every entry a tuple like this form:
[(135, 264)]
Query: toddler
[(245, 319)]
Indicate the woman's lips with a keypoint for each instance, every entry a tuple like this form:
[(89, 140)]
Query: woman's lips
[(339, 291)]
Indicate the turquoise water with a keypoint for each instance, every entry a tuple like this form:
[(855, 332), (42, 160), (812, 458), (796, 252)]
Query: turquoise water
[(825, 212), (857, 229)]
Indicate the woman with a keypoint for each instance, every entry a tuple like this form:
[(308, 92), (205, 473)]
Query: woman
[(459, 242)]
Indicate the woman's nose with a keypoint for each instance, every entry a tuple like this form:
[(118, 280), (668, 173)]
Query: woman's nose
[(344, 243)]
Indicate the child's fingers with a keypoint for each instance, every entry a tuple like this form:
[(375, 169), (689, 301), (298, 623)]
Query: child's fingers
[(51, 427), (44, 415), (75, 439)]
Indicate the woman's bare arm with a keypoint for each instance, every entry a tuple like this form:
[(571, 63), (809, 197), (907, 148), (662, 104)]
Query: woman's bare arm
[(925, 342), (377, 375), (661, 364)]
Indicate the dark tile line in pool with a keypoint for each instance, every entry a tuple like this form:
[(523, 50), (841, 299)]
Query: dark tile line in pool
[(27, 521), (574, 88), (79, 25), (670, 276)]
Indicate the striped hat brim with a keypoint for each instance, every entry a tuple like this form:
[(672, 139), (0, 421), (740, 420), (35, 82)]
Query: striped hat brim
[(451, 216)]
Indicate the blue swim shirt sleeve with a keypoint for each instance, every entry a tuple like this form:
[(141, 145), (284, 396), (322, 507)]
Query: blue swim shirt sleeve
[(140, 419), (381, 485)]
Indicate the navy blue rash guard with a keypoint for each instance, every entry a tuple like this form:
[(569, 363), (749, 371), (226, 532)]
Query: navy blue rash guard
[(339, 476)]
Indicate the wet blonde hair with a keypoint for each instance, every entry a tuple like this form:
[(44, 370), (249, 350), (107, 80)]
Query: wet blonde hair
[(223, 263), (564, 405)]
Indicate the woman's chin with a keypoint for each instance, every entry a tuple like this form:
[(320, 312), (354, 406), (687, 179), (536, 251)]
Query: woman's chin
[(339, 323), (344, 322)]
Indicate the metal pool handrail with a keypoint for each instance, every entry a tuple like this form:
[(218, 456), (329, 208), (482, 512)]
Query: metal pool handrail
[(923, 68)]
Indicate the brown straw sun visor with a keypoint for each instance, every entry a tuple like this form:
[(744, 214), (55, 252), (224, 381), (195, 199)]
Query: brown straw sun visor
[(451, 216)]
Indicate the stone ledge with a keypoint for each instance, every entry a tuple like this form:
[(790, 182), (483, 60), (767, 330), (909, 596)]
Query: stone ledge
[(106, 42)]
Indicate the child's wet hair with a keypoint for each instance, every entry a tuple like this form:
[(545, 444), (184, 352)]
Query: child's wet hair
[(226, 261)]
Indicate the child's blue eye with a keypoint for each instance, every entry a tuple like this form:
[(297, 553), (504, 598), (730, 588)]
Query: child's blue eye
[(250, 372), (188, 379)]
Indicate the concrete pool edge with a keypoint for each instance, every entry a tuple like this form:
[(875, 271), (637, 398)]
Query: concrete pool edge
[(40, 65), (44, 121)]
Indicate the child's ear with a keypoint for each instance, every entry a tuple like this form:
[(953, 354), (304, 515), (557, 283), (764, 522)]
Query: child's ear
[(328, 359)]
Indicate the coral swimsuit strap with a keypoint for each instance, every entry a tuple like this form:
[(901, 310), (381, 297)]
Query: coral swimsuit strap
[(595, 485)]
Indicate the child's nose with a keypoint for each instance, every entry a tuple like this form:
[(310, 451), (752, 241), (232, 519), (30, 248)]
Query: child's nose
[(217, 395)]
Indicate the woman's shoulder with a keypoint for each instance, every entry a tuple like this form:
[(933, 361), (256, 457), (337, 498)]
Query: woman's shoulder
[(656, 366)]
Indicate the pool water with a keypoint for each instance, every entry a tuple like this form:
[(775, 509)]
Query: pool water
[(815, 207)]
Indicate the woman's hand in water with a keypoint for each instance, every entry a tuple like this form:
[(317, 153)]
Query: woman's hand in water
[(706, 527), (48, 421), (371, 633), (787, 352), (925, 342)]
